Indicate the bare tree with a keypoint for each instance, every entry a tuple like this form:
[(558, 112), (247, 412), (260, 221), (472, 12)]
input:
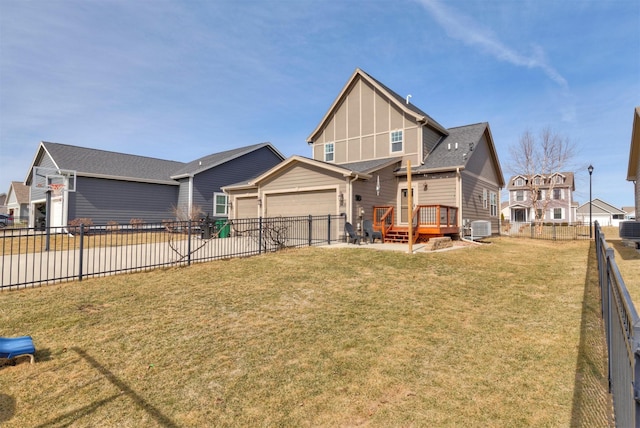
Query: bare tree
[(181, 215), (539, 161), (271, 234)]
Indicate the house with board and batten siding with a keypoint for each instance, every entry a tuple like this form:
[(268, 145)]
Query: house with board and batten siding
[(118, 187), (360, 152)]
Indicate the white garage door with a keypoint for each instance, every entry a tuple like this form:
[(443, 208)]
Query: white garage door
[(317, 202)]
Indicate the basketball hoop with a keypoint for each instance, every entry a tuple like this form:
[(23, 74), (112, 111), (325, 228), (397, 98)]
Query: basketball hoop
[(56, 188)]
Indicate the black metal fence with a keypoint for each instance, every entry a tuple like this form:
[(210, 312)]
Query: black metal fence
[(30, 257), (548, 231), (622, 331)]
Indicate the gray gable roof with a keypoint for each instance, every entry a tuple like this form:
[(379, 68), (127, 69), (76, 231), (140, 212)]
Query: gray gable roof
[(213, 160), (106, 164), (569, 181), (21, 192), (453, 151), (599, 206), (369, 166), (90, 162)]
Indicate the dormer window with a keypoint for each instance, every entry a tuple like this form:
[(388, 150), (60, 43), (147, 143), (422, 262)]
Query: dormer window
[(558, 179), (328, 152), (538, 181), (396, 141), (519, 182)]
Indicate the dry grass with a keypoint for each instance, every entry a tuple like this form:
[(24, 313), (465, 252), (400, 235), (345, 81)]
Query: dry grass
[(481, 336)]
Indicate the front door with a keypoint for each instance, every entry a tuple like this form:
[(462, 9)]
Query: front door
[(519, 215), (404, 205)]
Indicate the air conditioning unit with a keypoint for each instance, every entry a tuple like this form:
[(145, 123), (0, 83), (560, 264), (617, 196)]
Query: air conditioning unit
[(480, 229), (629, 230)]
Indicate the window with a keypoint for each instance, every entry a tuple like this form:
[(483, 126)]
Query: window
[(493, 200), (557, 213), (485, 202), (328, 152), (220, 205), (538, 181), (558, 179), (519, 182), (519, 195), (539, 195), (396, 141), (539, 215), (557, 193)]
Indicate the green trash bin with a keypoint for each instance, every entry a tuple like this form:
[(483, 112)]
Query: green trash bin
[(223, 228)]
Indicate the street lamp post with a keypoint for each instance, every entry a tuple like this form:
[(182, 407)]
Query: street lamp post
[(590, 169)]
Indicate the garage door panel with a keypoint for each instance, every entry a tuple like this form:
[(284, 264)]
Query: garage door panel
[(317, 202), (247, 207)]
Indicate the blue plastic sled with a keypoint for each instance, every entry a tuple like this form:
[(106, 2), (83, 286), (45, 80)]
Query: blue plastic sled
[(12, 347)]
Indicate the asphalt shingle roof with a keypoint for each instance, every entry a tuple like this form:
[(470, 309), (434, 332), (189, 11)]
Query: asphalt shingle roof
[(111, 164), (454, 150), (215, 159), (103, 163), (369, 165), (21, 192)]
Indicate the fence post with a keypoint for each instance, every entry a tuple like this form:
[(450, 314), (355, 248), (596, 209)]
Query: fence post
[(80, 262), (328, 229), (608, 255), (554, 231), (260, 235), (189, 243), (310, 228)]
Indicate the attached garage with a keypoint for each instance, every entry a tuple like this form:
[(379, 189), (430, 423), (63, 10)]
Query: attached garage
[(316, 202)]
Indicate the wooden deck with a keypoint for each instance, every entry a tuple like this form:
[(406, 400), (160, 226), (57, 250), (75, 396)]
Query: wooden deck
[(429, 221)]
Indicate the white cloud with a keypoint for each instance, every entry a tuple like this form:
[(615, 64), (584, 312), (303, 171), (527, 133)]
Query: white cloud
[(470, 32)]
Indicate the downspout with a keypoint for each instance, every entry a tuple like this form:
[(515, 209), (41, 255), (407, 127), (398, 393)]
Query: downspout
[(459, 196), (190, 198)]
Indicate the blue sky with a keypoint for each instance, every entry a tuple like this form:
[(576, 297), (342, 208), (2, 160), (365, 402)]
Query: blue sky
[(182, 79)]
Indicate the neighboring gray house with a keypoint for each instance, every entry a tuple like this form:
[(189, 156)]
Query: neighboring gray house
[(119, 187), (602, 212), (360, 150), (201, 180)]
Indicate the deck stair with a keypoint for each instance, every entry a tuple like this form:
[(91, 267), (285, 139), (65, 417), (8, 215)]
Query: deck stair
[(431, 221), (397, 235), (401, 236)]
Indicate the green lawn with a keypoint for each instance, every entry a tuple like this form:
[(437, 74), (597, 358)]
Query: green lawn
[(503, 334)]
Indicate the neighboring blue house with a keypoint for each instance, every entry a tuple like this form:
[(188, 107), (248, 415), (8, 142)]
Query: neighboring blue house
[(119, 187)]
